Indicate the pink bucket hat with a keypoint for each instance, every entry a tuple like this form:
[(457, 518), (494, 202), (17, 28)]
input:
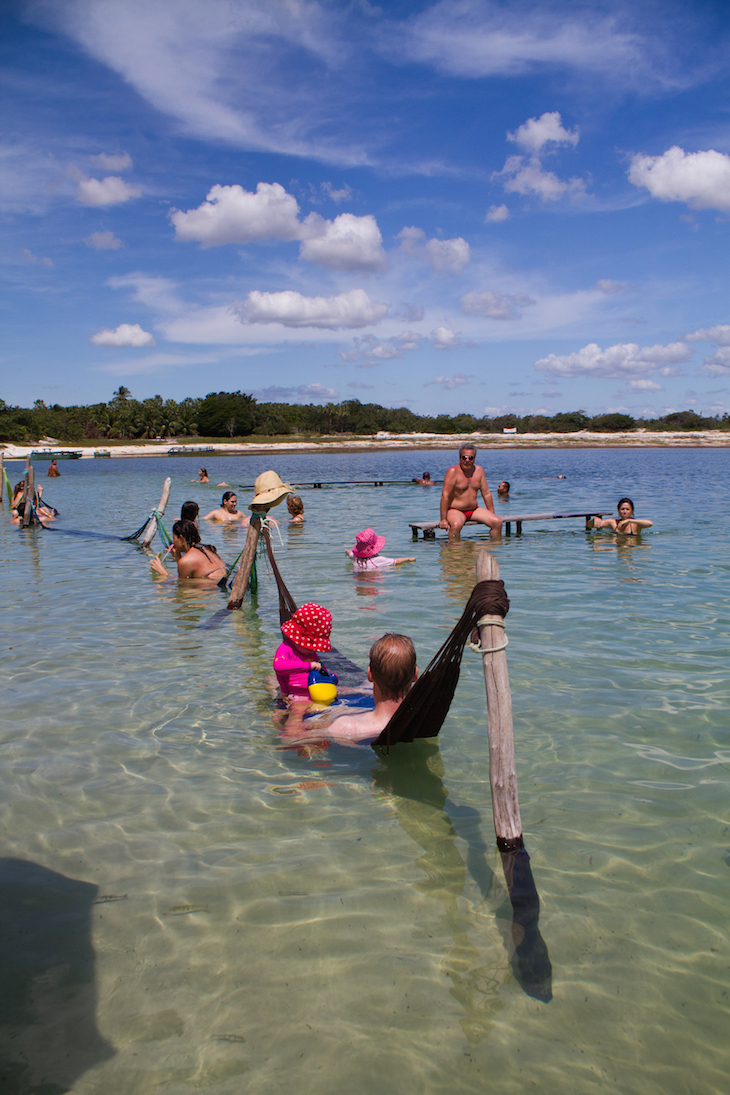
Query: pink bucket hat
[(310, 627), (367, 544)]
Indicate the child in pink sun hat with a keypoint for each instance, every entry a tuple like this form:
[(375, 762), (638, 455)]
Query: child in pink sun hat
[(305, 633), (365, 552)]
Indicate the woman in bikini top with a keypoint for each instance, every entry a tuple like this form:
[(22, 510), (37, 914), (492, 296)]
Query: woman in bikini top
[(625, 523), (194, 560)]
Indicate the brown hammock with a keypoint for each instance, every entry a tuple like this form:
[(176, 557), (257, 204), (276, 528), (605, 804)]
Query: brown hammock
[(422, 713)]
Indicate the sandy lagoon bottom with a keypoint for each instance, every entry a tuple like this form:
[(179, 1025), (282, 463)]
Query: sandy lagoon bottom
[(190, 906)]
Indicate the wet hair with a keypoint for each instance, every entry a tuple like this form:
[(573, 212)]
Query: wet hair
[(203, 471), (426, 475), (189, 532), (295, 505), (392, 664), (504, 483), (466, 447), (19, 486), (228, 494), (189, 511), (621, 502)]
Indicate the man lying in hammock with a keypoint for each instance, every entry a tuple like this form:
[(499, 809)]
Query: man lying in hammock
[(392, 671)]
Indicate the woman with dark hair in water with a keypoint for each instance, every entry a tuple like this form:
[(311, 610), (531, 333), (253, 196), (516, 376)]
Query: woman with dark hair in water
[(625, 522), (194, 560)]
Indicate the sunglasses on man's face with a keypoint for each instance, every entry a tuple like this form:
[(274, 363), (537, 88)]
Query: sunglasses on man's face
[(468, 459)]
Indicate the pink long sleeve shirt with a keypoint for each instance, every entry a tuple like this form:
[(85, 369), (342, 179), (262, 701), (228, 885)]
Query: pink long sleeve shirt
[(292, 668)]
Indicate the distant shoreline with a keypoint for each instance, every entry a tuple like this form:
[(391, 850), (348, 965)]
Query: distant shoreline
[(635, 439)]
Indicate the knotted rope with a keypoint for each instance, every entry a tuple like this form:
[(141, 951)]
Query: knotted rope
[(422, 713)]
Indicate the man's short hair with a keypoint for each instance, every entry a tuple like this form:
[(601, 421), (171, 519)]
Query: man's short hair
[(228, 494), (467, 448), (392, 664)]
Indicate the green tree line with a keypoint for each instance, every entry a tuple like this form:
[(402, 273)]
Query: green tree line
[(235, 415)]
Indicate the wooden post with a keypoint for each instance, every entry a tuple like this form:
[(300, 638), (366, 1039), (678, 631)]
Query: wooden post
[(2, 479), (28, 496), (240, 582), (502, 772), (149, 533)]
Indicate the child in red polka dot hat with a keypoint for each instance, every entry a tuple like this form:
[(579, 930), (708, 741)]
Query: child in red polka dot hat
[(305, 633)]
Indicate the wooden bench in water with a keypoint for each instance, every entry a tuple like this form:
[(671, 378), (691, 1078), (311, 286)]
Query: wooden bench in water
[(428, 528)]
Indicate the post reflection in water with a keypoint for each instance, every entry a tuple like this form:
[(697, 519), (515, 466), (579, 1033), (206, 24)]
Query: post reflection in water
[(412, 776)]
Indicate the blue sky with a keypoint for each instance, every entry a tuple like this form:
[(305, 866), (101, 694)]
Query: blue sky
[(451, 206)]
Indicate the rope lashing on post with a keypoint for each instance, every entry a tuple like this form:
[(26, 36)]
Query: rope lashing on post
[(493, 621), (422, 713)]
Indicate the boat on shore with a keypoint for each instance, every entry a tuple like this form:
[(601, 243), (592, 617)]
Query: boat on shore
[(56, 454), (102, 454), (188, 450)]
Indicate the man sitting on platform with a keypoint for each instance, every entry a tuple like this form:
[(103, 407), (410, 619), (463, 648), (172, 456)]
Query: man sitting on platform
[(459, 497)]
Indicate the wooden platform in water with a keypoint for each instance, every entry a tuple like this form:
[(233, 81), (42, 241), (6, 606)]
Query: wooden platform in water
[(428, 528)]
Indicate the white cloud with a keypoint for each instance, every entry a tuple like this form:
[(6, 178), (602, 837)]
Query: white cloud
[(718, 364), (156, 293), (120, 162), (719, 335), (126, 334), (292, 309), (344, 194), (231, 214), (103, 241), (256, 74), (111, 190), (358, 386), (370, 351), (497, 213), (494, 305), (465, 39), (624, 361), (450, 382), (346, 243), (30, 257), (522, 176), (701, 179), (444, 338), (645, 385), (535, 133), (611, 288), (445, 256), (316, 392)]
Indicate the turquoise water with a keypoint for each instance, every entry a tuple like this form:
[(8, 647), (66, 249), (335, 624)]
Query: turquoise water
[(198, 908)]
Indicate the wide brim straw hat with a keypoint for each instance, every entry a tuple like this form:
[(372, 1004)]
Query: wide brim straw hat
[(368, 544), (269, 490), (310, 627)]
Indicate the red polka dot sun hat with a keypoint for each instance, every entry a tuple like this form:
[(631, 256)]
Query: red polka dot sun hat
[(310, 627)]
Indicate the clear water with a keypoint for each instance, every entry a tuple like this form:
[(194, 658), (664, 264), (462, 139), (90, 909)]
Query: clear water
[(267, 917)]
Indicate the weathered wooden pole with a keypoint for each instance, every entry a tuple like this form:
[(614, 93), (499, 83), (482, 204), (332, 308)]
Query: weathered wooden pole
[(149, 533), (2, 479), (502, 771), (240, 582), (28, 496)]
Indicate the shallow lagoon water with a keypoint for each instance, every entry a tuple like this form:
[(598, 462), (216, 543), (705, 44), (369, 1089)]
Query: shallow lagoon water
[(192, 907)]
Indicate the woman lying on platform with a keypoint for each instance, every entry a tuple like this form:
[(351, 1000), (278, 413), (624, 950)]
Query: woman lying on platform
[(625, 522), (194, 560)]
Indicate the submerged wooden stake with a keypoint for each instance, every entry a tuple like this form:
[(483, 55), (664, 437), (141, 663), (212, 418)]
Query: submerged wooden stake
[(149, 533), (502, 771), (240, 582)]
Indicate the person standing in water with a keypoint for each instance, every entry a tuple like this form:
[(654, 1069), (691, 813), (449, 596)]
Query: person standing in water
[(625, 522), (53, 472), (228, 512)]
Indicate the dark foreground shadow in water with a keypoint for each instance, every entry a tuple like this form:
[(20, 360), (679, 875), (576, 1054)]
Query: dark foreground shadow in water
[(48, 1033)]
